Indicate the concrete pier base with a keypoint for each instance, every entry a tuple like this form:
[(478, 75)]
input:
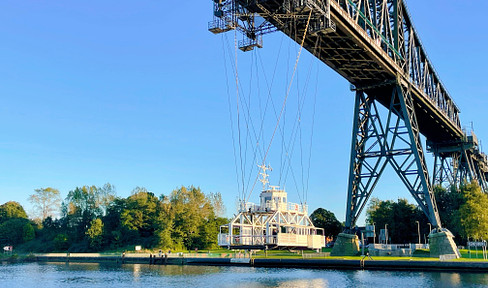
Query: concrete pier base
[(345, 245), (442, 245)]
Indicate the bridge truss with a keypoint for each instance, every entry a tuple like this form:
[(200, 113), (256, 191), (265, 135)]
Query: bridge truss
[(374, 45)]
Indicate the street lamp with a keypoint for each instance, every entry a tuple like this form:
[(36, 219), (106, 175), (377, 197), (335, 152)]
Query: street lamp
[(418, 226), (430, 228), (386, 234), (374, 233)]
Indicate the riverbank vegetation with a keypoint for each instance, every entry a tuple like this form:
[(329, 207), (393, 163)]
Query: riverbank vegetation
[(94, 219), (462, 210)]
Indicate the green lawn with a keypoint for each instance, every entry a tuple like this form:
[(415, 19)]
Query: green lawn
[(419, 255)]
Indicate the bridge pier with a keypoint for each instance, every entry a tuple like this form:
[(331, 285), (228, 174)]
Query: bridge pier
[(345, 245), (442, 243)]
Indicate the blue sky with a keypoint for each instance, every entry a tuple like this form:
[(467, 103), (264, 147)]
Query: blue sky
[(135, 94)]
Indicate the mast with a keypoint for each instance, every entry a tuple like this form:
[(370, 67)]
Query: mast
[(264, 180)]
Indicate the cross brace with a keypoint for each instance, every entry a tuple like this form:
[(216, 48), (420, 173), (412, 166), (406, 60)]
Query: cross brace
[(394, 139)]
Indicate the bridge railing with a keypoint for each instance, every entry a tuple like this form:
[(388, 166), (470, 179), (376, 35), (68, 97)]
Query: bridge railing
[(391, 28), (225, 239)]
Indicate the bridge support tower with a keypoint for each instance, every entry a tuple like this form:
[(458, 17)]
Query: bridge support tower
[(460, 161), (379, 140)]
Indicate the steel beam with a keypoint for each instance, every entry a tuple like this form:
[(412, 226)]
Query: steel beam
[(394, 139)]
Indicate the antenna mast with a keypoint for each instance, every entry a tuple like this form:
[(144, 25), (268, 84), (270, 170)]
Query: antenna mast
[(264, 180)]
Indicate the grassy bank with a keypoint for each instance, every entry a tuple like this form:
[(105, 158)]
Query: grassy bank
[(419, 255)]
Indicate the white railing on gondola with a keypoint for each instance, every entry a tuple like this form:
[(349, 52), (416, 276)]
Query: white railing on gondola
[(274, 206)]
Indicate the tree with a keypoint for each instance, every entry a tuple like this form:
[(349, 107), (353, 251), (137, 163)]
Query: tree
[(12, 231), (61, 242), (11, 210), (115, 233), (164, 231), (403, 227), (190, 210), (46, 202), (208, 233), (473, 213), (400, 217), (84, 200), (141, 212), (81, 206), (217, 203), (95, 234), (28, 233), (449, 202), (325, 219), (105, 196)]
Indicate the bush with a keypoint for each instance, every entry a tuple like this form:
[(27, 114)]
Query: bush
[(61, 242)]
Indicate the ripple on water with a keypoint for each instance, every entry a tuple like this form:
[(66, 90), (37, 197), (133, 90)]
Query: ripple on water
[(94, 275)]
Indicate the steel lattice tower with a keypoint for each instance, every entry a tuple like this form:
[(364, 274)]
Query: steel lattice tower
[(374, 45)]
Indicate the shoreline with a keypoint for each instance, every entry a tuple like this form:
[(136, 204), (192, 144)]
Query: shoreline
[(339, 264)]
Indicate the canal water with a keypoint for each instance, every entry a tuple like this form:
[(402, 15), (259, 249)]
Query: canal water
[(46, 275)]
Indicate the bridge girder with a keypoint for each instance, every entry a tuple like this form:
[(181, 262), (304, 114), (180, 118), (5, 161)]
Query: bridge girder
[(374, 45), (368, 42)]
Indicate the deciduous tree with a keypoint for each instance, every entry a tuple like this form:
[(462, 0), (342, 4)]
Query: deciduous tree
[(46, 202), (190, 209), (11, 210), (474, 215), (325, 219), (95, 233)]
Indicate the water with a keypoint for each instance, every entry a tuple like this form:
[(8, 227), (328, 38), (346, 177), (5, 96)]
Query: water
[(45, 275)]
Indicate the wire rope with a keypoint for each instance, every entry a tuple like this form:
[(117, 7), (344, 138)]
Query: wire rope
[(238, 114), (286, 97)]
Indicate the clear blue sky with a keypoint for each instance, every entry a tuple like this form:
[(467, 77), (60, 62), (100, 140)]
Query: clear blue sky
[(134, 93)]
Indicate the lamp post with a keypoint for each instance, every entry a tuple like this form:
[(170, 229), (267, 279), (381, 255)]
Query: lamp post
[(418, 229), (374, 233), (386, 234), (430, 228)]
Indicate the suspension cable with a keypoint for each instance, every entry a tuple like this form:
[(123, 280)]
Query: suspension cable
[(284, 102), (229, 103), (238, 114)]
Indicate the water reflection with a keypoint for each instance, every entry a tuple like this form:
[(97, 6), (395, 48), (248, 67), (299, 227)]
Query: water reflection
[(298, 283), (107, 275), (136, 268), (461, 279), (451, 279)]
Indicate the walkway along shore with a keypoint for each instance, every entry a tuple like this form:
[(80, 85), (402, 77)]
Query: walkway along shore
[(366, 264)]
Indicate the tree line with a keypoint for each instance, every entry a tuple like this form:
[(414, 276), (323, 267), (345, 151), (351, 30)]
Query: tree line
[(93, 218), (462, 210)]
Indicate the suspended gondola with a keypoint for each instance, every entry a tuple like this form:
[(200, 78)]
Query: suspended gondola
[(274, 223)]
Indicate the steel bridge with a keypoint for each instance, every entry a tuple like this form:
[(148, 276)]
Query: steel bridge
[(374, 45)]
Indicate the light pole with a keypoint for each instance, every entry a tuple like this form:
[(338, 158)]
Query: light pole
[(430, 227), (374, 233), (418, 226), (386, 234)]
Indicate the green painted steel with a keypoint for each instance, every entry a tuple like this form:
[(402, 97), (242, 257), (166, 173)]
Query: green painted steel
[(395, 139), (374, 45)]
